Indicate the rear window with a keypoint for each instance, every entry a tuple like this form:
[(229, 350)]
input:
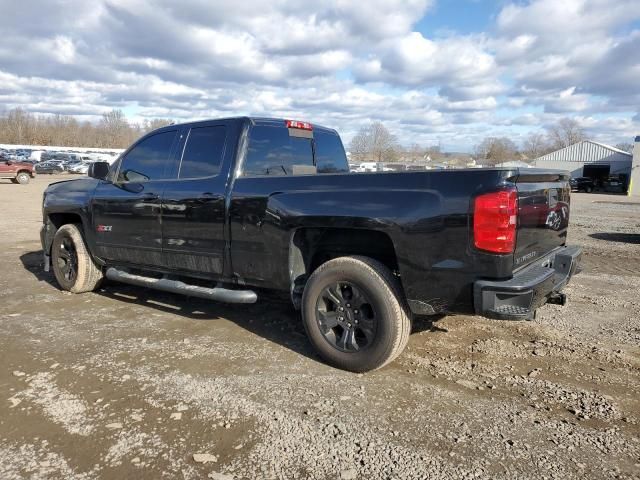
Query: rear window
[(330, 156), (273, 151)]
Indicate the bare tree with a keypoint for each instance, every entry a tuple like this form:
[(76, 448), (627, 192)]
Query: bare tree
[(564, 133), (415, 153), (625, 147), (494, 150), (17, 126), (434, 153), (374, 142), (156, 123), (535, 145), (113, 130)]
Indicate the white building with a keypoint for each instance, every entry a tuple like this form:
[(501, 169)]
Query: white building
[(588, 159)]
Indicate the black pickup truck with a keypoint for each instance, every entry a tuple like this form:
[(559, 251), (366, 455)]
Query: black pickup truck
[(223, 209)]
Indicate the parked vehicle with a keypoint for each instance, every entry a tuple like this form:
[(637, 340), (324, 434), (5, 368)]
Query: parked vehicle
[(614, 184), (49, 167), (584, 184), (36, 155), (80, 167), (68, 165), (370, 167), (222, 208), (47, 156), (60, 156), (17, 172)]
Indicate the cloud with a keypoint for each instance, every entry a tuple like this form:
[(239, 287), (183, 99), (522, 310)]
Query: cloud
[(583, 45), (339, 62), (418, 61)]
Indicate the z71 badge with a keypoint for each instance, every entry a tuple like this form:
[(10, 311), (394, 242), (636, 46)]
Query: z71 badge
[(103, 228)]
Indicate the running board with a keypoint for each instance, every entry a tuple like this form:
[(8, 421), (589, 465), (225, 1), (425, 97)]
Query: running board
[(174, 286)]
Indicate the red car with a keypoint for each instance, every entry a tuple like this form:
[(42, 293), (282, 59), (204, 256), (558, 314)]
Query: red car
[(17, 172)]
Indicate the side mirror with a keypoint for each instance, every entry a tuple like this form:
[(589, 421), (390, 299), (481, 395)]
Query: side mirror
[(98, 170)]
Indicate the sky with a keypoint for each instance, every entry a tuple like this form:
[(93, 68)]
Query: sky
[(434, 72)]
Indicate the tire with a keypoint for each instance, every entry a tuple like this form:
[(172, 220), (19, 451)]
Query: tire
[(383, 326), (588, 189), (22, 178), (72, 264)]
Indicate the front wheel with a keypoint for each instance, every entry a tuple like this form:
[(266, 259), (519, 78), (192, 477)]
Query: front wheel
[(354, 315), (588, 189), (22, 178), (72, 264)]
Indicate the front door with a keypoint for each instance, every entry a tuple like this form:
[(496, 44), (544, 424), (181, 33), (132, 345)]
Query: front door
[(6, 170), (127, 207), (193, 205)]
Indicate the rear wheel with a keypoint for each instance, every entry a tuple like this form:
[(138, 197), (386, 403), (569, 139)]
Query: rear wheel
[(73, 266), (354, 314), (588, 189)]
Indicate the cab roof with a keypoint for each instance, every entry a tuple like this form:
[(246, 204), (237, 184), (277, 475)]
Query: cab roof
[(270, 121)]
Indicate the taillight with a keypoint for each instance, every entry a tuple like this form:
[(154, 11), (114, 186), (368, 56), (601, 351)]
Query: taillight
[(494, 221)]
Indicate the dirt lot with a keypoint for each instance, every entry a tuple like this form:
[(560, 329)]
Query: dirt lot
[(131, 383)]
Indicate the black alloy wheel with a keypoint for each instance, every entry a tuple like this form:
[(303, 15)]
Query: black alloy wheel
[(354, 313), (346, 317), (68, 260), (72, 263)]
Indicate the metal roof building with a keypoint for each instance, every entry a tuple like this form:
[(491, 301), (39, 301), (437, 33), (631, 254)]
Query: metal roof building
[(588, 159)]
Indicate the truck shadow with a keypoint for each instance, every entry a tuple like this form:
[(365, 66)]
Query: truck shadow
[(33, 262), (272, 317), (633, 238)]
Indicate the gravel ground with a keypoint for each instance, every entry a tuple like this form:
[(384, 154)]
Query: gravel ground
[(132, 383)]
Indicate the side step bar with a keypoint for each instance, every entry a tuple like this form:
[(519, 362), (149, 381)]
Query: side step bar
[(175, 286)]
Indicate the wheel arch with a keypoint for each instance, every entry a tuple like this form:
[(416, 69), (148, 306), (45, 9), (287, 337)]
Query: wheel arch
[(60, 219), (310, 247), (55, 220)]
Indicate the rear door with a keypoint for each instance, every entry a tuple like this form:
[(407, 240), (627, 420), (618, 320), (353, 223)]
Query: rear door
[(543, 213), (279, 155), (193, 205), (127, 208)]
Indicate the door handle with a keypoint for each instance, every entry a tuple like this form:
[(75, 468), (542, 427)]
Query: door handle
[(150, 196)]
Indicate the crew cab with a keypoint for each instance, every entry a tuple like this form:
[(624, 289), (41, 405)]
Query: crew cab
[(16, 171), (223, 209)]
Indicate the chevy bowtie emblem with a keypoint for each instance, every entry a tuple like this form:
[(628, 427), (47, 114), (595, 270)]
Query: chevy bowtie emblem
[(103, 228)]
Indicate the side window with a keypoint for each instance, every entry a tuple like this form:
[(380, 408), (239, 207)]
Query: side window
[(272, 151), (203, 152), (330, 156), (148, 159)]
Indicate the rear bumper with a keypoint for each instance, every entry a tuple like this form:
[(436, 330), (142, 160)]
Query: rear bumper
[(530, 288)]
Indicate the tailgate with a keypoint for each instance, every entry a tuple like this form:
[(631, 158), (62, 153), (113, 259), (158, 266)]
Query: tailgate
[(543, 213)]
